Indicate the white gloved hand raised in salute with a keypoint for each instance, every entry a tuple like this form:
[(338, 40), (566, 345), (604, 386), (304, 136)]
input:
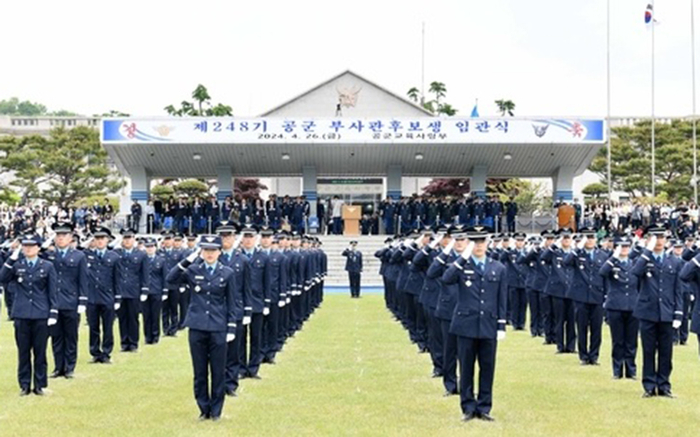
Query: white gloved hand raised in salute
[(230, 337), (651, 243), (616, 253), (433, 244), (467, 253), (193, 256), (448, 249)]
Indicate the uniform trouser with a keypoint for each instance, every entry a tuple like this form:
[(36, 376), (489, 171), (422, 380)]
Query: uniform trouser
[(282, 325), (101, 316), (511, 224), (410, 320), (233, 359), (421, 325), (564, 324), (183, 304), (435, 340), (151, 317), (129, 324), (657, 347), (518, 300), (624, 328), (470, 350), (681, 334), (64, 341), (536, 327), (589, 319), (354, 284), (252, 335), (208, 351), (271, 331), (296, 316), (31, 336), (449, 360), (547, 311), (170, 307)]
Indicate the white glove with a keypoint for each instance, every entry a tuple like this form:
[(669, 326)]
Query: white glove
[(266, 311), (143, 297), (15, 254), (676, 324), (692, 297), (237, 242), (617, 252), (433, 244), (468, 250), (289, 299), (581, 243), (52, 321), (165, 297), (230, 337), (651, 244), (246, 320), (81, 309), (193, 256), (500, 335), (281, 303), (448, 249), (182, 289), (47, 243), (117, 306)]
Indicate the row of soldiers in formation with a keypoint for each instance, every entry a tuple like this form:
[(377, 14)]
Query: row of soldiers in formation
[(455, 292), (241, 296)]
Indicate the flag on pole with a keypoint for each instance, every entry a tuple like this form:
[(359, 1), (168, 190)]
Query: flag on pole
[(475, 111), (649, 14)]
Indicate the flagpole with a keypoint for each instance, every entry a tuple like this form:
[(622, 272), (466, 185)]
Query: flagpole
[(422, 66), (653, 118), (608, 121), (695, 137)]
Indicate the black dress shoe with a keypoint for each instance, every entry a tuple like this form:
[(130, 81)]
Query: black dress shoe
[(69, 375), (39, 391), (632, 377), (649, 394), (437, 375), (231, 393), (254, 377), (55, 374), (666, 394), (594, 363), (95, 360), (468, 416), (449, 393), (203, 417), (215, 418), (584, 362), (106, 360), (24, 392), (486, 417), (617, 376)]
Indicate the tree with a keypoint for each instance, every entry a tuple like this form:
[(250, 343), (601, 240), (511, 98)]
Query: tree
[(23, 157), (14, 106), (505, 106), (201, 107), (75, 166), (192, 188), (436, 105), (529, 196), (113, 113), (247, 188), (631, 160), (595, 189), (162, 191), (456, 187)]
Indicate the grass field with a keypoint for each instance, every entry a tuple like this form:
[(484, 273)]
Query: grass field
[(351, 371)]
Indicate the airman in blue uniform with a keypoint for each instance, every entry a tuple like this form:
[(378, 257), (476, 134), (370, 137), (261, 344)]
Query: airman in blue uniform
[(35, 310), (211, 320), (132, 286), (479, 320), (353, 265), (157, 292)]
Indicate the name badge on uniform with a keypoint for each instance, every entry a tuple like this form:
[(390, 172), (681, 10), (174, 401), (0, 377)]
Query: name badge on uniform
[(201, 278), (197, 288)]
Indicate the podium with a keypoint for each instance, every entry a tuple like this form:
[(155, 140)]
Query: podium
[(351, 220)]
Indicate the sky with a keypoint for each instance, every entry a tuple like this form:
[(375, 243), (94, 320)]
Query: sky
[(548, 56)]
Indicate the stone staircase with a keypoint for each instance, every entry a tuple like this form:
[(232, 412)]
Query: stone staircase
[(334, 245)]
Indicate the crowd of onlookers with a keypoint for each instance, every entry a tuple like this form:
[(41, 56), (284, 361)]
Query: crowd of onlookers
[(203, 214)]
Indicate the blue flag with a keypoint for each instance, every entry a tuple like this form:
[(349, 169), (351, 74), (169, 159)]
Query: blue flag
[(475, 111)]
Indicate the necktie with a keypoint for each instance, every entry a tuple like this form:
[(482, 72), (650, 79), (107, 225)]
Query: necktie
[(61, 253), (481, 266), (211, 270)]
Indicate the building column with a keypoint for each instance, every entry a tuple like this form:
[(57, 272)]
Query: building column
[(393, 182), (309, 190), (563, 184), (224, 176), (140, 187), (478, 180)]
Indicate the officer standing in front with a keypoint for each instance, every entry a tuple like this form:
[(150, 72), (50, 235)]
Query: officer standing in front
[(353, 265), (659, 310), (211, 319), (171, 257), (479, 320), (34, 310), (72, 286)]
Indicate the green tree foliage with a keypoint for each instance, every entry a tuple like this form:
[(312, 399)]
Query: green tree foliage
[(13, 106), (435, 105), (192, 188), (162, 191), (631, 160), (201, 106), (595, 189), (69, 165), (505, 107)]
